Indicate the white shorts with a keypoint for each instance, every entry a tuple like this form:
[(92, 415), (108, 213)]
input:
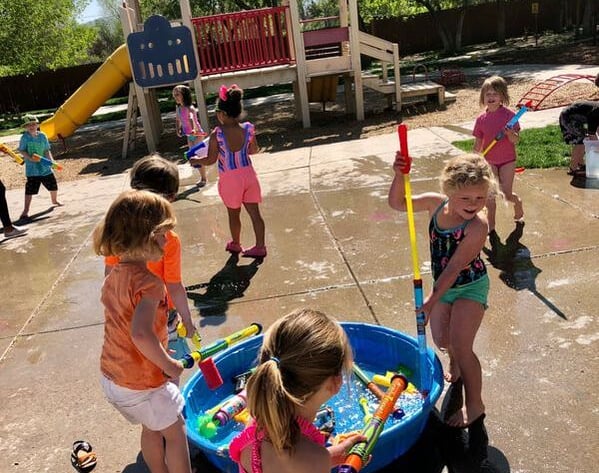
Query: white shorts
[(156, 408)]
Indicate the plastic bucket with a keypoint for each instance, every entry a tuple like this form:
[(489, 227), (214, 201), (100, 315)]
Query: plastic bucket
[(591, 150), (373, 346)]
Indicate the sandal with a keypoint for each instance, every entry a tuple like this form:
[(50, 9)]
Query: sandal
[(233, 247), (580, 171), (83, 457), (254, 252)]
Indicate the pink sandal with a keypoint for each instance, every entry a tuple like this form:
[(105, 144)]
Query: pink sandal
[(255, 252), (233, 247)]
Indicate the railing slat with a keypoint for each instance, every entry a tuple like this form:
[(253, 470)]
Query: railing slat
[(243, 40)]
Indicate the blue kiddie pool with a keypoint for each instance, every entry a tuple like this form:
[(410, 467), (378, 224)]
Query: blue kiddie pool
[(376, 350)]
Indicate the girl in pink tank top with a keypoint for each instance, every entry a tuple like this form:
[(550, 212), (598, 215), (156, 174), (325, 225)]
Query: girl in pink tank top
[(187, 124), (231, 144), (301, 365)]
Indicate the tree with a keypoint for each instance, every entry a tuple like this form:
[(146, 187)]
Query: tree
[(452, 43), (500, 22), (40, 35)]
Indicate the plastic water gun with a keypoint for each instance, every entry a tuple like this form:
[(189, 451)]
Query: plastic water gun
[(424, 373), (359, 453), (48, 162), (5, 149), (509, 125), (398, 412), (203, 356), (196, 339), (243, 417), (364, 406), (222, 414), (385, 381), (372, 387), (198, 151), (241, 380)]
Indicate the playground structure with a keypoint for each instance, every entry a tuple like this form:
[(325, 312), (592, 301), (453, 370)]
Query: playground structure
[(250, 48), (536, 95)]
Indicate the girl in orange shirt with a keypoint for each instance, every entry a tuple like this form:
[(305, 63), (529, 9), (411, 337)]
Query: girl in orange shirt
[(136, 368), (156, 174)]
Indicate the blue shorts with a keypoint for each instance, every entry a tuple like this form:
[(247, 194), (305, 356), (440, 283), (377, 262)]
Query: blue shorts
[(477, 291)]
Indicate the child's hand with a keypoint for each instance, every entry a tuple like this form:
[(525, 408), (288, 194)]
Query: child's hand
[(402, 165), (190, 328), (173, 369), (512, 135), (339, 451), (426, 307), (195, 162)]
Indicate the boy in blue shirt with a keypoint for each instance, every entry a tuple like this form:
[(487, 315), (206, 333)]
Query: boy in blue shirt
[(34, 144)]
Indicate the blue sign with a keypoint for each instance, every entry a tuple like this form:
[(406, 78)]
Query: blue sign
[(162, 54)]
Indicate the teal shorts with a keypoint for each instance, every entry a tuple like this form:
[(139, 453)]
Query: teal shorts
[(475, 291)]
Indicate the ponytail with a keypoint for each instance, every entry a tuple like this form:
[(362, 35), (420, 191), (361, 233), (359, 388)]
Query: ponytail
[(299, 353)]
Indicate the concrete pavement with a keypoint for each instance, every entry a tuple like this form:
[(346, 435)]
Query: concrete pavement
[(334, 244)]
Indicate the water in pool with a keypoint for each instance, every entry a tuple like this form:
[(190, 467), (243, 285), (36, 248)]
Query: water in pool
[(348, 413)]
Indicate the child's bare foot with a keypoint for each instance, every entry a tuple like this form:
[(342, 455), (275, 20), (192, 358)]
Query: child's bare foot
[(58, 204)]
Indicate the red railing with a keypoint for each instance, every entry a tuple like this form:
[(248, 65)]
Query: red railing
[(243, 40)]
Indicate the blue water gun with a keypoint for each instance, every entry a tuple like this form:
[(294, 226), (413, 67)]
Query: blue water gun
[(198, 151), (509, 125)]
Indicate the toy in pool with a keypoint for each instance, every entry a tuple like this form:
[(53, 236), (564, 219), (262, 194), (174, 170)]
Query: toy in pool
[(373, 345), (360, 452)]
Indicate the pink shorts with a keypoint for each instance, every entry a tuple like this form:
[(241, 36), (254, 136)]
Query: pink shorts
[(239, 186)]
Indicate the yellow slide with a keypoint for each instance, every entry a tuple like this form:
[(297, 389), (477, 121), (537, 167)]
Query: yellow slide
[(95, 91)]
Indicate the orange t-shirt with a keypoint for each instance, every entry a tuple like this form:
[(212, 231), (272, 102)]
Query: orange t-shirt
[(168, 268), (121, 361)]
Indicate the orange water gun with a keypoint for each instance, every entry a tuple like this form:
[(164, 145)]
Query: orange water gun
[(360, 452)]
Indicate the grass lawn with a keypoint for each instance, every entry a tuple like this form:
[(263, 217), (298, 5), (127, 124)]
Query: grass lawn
[(537, 148)]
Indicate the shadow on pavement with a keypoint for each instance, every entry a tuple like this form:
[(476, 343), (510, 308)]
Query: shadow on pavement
[(36, 217), (513, 259), (582, 182), (227, 284), (138, 467)]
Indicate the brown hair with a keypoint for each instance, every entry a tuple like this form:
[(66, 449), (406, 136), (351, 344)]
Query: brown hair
[(299, 353), (467, 170), (156, 174), (130, 224), (185, 92), (499, 85)]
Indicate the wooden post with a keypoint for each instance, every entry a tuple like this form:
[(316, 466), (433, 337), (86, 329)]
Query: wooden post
[(300, 61), (197, 83), (396, 73), (354, 41), (130, 21), (130, 123)]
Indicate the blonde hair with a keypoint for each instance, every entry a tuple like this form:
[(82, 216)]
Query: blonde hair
[(499, 85), (131, 223), (299, 353), (467, 170)]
